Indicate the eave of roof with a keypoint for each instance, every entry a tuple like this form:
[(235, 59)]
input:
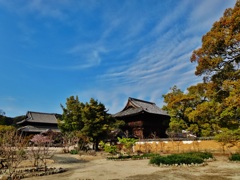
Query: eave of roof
[(128, 112), (37, 129)]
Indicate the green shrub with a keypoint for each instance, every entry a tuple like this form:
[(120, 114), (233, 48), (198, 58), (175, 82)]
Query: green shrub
[(112, 149), (122, 157), (176, 159), (74, 151), (203, 155), (127, 143), (235, 157)]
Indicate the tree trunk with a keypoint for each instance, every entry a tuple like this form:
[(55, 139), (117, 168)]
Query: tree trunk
[(95, 145)]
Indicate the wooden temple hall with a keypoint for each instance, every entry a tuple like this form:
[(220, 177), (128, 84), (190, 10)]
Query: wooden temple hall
[(37, 123), (143, 119)]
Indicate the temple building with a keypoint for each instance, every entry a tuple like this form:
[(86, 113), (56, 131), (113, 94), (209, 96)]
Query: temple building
[(143, 119), (37, 122)]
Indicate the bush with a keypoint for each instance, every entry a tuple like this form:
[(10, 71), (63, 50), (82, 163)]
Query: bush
[(203, 155), (74, 151), (177, 159), (123, 157), (127, 143), (112, 149), (235, 157)]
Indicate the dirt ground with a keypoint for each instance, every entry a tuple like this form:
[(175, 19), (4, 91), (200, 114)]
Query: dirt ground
[(98, 168)]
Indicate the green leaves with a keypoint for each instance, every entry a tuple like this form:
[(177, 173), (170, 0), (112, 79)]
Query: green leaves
[(72, 115)]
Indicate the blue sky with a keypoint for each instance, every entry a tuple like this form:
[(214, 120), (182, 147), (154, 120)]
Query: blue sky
[(108, 50)]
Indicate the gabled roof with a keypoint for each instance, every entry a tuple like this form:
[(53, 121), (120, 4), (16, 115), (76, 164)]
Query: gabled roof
[(136, 106), (39, 117)]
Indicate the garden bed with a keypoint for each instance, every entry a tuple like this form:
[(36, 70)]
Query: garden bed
[(32, 172)]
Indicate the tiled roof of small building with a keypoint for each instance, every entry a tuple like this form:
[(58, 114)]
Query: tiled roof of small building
[(39, 117), (135, 106)]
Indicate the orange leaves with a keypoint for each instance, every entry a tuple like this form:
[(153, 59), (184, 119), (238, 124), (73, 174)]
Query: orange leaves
[(220, 45)]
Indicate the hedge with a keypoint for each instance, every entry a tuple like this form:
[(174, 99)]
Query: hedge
[(235, 157), (184, 158)]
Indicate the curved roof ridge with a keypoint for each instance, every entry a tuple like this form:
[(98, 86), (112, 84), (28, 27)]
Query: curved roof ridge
[(135, 99)]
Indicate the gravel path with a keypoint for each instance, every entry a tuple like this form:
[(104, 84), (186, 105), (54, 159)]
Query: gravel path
[(96, 168)]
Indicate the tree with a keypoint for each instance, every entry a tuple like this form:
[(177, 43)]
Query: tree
[(40, 150), (2, 117), (213, 104), (13, 149), (219, 56), (88, 122), (176, 106), (97, 122), (72, 115), (228, 138), (179, 105), (230, 107), (2, 113), (218, 60)]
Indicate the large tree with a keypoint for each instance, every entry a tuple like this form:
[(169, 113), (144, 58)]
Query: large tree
[(215, 103), (72, 115), (191, 110), (219, 56), (218, 60), (89, 120), (97, 122)]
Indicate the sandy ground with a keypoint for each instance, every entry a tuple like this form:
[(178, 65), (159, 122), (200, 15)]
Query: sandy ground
[(98, 168)]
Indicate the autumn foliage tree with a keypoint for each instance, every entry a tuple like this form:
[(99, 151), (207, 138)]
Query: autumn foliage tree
[(215, 103)]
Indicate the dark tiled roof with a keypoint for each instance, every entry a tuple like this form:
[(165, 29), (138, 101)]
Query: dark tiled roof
[(135, 106), (130, 111), (39, 117)]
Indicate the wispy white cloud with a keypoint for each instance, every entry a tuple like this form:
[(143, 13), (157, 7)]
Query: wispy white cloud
[(160, 64), (138, 51), (88, 55)]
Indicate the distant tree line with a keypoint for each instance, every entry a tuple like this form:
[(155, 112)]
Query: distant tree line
[(9, 121)]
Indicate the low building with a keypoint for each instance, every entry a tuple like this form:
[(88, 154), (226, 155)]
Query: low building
[(38, 122), (144, 119)]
